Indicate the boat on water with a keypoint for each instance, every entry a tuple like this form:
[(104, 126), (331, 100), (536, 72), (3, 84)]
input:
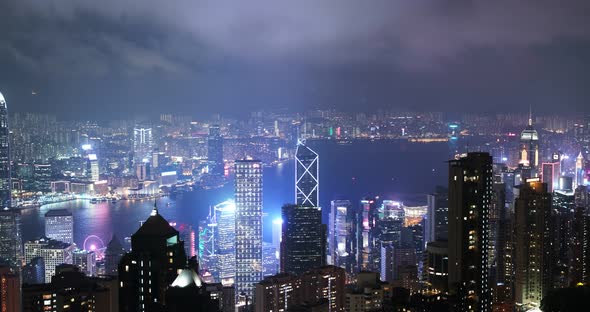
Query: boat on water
[(93, 201)]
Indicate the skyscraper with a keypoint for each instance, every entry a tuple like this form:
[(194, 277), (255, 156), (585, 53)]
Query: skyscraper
[(343, 248), (142, 143), (224, 240), (112, 256), (437, 217), (303, 246), (10, 291), (307, 181), (53, 253), (157, 255), (248, 199), (5, 182), (215, 151), (470, 193), (551, 172), (366, 234), (10, 238), (533, 244), (529, 147), (59, 225)]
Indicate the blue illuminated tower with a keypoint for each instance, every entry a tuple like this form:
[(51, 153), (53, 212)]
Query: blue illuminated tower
[(307, 181)]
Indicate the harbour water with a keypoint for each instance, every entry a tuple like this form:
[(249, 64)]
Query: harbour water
[(390, 169)]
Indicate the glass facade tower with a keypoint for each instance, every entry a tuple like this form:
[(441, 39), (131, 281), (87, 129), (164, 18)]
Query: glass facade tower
[(5, 184), (248, 200)]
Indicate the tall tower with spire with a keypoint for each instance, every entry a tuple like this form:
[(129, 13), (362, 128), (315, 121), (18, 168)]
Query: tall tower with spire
[(5, 184), (579, 178), (529, 145), (156, 256)]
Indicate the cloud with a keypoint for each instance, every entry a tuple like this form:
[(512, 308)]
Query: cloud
[(177, 35)]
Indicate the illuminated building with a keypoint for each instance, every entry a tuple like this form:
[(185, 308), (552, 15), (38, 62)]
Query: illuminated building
[(580, 259), (59, 225), (10, 291), (306, 177), (142, 143), (11, 238), (187, 235), (437, 219), (5, 174), (52, 251), (437, 265), (215, 151), (321, 289), (278, 293), (86, 261), (34, 271), (156, 256), (389, 224), (248, 201), (270, 262), (580, 174), (550, 174), (366, 233), (277, 233), (303, 246), (394, 258), (368, 294), (533, 244), (94, 170), (188, 293), (222, 224), (343, 249), (529, 146), (470, 193), (71, 290), (112, 256)]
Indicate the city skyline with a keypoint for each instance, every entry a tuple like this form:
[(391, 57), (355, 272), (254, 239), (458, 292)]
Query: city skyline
[(166, 157)]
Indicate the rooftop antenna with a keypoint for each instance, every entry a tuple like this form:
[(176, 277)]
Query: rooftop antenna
[(530, 114), (154, 210)]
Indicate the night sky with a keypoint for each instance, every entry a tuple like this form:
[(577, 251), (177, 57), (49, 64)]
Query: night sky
[(112, 58)]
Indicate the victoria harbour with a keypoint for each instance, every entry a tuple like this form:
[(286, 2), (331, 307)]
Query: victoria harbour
[(347, 175)]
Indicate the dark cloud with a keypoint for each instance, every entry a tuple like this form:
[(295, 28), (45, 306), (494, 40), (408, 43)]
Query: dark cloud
[(457, 48)]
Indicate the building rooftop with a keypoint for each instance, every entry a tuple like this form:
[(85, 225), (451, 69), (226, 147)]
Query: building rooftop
[(58, 213), (156, 225)]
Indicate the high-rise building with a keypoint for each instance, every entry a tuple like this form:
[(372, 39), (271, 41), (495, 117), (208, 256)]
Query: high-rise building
[(343, 250), (529, 147), (307, 180), (303, 246), (277, 233), (215, 151), (533, 244), (34, 271), (142, 143), (71, 290), (321, 289), (390, 223), (5, 177), (10, 291), (86, 261), (367, 234), (157, 255), (470, 193), (437, 217), (112, 257), (580, 263), (10, 238), (223, 225), (579, 171), (368, 294), (550, 174), (53, 253), (437, 265), (248, 200), (59, 225), (94, 169)]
